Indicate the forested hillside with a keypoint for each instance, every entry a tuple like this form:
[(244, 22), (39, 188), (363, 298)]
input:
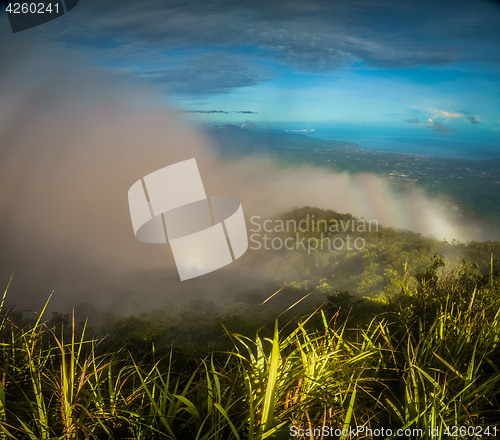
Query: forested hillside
[(400, 335)]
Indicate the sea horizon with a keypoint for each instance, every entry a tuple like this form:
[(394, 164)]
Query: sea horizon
[(385, 139)]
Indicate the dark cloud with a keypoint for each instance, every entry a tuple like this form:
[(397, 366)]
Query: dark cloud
[(207, 74), (306, 51), (206, 111), (414, 121), (406, 54), (440, 127), (317, 36), (219, 111), (473, 119)]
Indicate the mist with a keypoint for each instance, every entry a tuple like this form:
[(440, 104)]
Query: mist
[(73, 139)]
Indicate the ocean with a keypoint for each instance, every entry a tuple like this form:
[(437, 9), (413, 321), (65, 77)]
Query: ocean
[(462, 144)]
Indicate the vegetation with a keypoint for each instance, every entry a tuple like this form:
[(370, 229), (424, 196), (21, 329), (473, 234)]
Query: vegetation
[(427, 360), (375, 270), (420, 354)]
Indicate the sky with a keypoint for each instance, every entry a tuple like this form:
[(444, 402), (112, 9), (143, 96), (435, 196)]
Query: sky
[(428, 65)]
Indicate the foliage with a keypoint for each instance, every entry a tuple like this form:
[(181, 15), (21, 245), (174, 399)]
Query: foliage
[(425, 357)]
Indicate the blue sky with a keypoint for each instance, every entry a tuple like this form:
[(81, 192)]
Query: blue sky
[(433, 65)]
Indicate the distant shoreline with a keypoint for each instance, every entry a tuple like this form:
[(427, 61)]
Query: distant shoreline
[(399, 140)]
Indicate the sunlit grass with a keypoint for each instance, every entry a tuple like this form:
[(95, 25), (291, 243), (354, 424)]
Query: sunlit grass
[(429, 362)]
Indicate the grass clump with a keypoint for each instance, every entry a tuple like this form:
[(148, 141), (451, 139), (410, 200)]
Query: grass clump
[(428, 359)]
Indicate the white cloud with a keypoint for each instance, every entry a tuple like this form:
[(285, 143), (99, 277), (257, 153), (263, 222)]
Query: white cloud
[(445, 114)]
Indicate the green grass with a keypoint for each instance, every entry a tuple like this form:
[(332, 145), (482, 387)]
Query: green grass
[(429, 361)]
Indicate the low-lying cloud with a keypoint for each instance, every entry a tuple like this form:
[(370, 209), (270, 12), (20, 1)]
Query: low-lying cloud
[(73, 139)]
